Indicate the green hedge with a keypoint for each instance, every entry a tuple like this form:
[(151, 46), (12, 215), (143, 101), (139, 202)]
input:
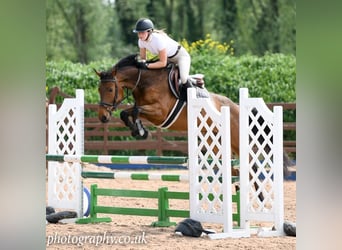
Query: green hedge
[(70, 76), (271, 77)]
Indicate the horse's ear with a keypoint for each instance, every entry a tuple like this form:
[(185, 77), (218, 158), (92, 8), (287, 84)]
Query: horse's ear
[(97, 73)]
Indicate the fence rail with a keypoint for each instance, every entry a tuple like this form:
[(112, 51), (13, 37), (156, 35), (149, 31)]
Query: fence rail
[(113, 136)]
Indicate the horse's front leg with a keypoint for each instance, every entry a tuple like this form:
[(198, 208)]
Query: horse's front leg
[(135, 125), (142, 133), (149, 112), (125, 115)]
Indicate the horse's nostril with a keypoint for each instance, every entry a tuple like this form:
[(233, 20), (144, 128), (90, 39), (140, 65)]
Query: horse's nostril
[(104, 119)]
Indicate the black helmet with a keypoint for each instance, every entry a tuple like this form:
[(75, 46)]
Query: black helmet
[(143, 24)]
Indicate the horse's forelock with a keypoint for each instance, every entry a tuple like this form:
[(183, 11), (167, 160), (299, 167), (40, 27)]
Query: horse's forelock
[(106, 75)]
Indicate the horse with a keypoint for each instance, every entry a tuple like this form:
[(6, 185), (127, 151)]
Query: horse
[(154, 101)]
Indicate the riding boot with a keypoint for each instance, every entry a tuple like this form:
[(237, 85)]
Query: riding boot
[(183, 93)]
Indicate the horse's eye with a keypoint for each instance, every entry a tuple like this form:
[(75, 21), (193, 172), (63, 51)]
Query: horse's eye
[(110, 89)]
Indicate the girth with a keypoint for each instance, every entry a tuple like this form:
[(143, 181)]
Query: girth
[(172, 117)]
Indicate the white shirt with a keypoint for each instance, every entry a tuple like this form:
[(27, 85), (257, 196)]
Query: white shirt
[(157, 42)]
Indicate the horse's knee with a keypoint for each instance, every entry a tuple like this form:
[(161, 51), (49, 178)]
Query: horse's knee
[(135, 113)]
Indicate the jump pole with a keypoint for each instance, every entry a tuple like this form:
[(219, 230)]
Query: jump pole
[(118, 159), (146, 176), (121, 159)]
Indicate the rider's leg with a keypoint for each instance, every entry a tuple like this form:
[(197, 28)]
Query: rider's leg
[(183, 60)]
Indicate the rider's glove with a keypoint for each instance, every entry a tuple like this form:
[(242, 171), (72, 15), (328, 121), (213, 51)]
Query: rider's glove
[(142, 65)]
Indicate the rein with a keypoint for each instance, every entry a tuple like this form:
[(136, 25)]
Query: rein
[(116, 103)]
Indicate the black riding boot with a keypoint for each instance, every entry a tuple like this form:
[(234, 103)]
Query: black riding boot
[(183, 93)]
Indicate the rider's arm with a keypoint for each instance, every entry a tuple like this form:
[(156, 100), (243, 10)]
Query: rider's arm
[(142, 53), (162, 60)]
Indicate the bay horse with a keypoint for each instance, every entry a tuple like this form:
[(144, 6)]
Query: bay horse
[(154, 101)]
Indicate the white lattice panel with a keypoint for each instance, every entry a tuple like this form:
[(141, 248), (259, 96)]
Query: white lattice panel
[(209, 139), (66, 136), (261, 163), (210, 164)]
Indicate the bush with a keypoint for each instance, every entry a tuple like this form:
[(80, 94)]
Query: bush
[(271, 77), (70, 76)]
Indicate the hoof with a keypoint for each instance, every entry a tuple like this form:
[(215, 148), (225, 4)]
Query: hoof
[(145, 135), (135, 133), (142, 137)]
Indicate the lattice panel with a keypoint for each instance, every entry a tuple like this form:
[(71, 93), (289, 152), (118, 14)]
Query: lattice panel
[(261, 162), (210, 164), (65, 187), (209, 145), (66, 133)]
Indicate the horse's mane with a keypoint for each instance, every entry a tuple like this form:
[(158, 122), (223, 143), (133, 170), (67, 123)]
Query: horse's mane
[(126, 61), (130, 60)]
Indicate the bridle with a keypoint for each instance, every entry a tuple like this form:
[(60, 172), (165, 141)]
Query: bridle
[(112, 106)]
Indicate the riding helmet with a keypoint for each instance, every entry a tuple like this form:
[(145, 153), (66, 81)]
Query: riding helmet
[(143, 24)]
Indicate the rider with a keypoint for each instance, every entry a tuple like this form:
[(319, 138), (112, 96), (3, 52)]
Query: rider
[(159, 43)]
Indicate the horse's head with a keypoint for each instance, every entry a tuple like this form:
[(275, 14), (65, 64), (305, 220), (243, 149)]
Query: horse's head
[(111, 94), (112, 84)]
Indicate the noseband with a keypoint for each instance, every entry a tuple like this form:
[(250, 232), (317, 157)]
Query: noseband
[(110, 107)]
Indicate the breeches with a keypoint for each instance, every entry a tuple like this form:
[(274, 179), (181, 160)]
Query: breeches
[(183, 60)]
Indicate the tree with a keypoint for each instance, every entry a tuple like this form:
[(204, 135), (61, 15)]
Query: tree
[(266, 32), (87, 30), (78, 29), (227, 19)]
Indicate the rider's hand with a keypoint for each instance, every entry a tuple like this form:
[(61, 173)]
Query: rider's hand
[(142, 65)]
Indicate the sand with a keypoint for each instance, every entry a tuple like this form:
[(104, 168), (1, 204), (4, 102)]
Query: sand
[(135, 232)]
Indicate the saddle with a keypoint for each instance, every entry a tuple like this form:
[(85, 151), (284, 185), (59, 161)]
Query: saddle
[(196, 80)]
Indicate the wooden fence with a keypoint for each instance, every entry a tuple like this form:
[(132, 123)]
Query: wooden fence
[(113, 137), (289, 145)]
